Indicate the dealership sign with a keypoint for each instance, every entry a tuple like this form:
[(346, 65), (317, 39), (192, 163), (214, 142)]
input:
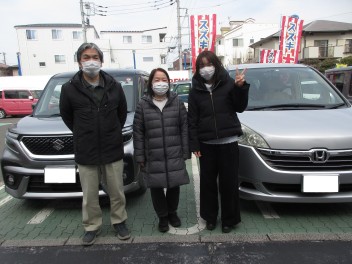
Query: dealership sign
[(270, 56), (203, 35)]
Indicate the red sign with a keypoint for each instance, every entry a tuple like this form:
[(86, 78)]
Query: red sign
[(270, 56), (290, 39), (203, 35)]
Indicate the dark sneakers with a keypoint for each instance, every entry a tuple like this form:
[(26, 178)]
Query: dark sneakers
[(163, 224), (226, 229), (90, 237), (174, 220), (122, 231)]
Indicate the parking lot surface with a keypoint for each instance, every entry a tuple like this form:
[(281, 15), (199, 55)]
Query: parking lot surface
[(58, 222)]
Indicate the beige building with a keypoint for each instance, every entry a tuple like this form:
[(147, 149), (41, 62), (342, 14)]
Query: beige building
[(321, 39)]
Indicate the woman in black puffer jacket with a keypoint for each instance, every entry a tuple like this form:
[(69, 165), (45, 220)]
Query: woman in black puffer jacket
[(214, 129), (160, 138)]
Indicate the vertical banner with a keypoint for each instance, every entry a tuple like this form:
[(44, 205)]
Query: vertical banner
[(203, 35), (290, 39), (270, 56)]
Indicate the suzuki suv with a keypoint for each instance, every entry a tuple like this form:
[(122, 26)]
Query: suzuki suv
[(41, 143)]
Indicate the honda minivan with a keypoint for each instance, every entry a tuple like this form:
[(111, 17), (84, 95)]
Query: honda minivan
[(41, 142)]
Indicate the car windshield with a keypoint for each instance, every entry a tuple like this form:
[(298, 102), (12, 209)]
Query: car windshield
[(48, 105), (289, 88)]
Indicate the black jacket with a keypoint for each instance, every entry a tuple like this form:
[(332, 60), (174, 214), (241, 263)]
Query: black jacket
[(160, 140), (97, 129), (213, 115)]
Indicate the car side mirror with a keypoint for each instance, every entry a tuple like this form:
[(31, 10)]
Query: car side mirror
[(30, 97)]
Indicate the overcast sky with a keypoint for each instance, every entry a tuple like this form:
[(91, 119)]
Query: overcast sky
[(138, 14)]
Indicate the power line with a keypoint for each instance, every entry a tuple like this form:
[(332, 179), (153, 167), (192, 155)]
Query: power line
[(142, 9)]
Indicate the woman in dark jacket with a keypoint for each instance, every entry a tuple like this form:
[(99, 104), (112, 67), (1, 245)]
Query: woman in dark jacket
[(214, 129), (160, 138)]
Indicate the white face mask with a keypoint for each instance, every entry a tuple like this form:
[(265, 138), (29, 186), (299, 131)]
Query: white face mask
[(160, 88), (91, 67), (207, 72)]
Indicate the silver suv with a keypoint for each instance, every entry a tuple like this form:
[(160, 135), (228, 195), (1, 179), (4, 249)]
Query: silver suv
[(41, 141)]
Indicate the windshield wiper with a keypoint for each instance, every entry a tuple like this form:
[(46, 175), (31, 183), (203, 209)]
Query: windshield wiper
[(335, 106), (285, 106)]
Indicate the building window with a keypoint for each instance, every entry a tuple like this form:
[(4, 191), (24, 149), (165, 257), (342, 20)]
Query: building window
[(323, 47), (162, 37), (163, 59), (348, 46), (31, 34), (237, 42), (41, 64), (146, 39), (148, 59), (75, 57), (60, 59), (127, 39), (251, 41), (56, 34), (77, 35)]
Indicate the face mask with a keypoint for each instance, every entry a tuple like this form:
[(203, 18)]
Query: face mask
[(207, 72), (160, 88), (91, 68)]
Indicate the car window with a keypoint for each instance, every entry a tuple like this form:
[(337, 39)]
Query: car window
[(183, 88), (48, 104), (279, 86)]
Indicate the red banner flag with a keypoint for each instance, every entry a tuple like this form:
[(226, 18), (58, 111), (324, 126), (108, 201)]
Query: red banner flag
[(270, 56), (290, 39), (203, 35)]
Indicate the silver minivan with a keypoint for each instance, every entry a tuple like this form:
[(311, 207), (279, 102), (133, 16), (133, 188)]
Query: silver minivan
[(297, 142), (41, 141)]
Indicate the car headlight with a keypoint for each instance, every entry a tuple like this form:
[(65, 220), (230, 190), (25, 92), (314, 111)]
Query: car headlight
[(252, 138)]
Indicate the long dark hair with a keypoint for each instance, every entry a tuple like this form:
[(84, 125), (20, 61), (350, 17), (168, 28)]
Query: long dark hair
[(213, 59), (151, 76)]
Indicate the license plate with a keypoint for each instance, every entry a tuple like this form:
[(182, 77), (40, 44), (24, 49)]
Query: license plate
[(60, 174), (320, 184)]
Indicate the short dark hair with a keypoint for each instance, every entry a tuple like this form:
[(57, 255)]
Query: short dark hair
[(151, 76), (85, 46), (213, 59)]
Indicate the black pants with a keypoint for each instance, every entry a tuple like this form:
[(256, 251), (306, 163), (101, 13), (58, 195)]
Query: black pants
[(165, 203), (219, 163)]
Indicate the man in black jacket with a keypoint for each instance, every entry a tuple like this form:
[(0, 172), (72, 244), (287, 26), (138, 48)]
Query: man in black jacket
[(94, 108)]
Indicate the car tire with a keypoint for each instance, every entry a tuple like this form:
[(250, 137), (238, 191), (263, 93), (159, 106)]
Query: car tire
[(2, 114)]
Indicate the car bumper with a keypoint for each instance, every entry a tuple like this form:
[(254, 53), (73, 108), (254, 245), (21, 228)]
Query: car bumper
[(259, 181)]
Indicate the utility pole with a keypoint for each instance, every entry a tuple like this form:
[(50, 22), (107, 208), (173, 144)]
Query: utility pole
[(84, 26), (179, 35)]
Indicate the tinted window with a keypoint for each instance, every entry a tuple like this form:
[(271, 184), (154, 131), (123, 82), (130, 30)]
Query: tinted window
[(11, 94), (49, 103)]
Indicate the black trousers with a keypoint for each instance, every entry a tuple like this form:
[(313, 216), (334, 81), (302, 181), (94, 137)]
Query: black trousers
[(219, 164), (165, 203)]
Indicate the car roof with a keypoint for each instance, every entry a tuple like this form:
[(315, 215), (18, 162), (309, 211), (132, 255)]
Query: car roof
[(110, 71), (265, 65), (348, 68)]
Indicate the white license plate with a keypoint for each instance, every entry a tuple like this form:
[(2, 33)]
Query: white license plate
[(320, 183), (60, 174)]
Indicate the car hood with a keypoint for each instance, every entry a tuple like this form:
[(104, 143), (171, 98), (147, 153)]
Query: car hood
[(30, 125), (302, 129)]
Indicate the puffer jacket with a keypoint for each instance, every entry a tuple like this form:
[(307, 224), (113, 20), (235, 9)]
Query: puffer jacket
[(213, 115), (160, 140), (96, 129)]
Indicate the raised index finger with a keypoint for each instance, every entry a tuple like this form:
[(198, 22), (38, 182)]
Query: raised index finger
[(237, 71)]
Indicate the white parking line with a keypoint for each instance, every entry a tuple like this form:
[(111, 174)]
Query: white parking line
[(40, 216), (267, 211), (5, 200), (2, 187), (201, 223)]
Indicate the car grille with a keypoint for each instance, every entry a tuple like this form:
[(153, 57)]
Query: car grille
[(326, 160), (59, 145)]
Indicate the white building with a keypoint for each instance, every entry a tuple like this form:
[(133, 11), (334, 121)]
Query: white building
[(144, 49), (51, 48), (232, 47)]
